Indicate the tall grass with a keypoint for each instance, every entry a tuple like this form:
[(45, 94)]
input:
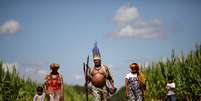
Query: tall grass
[(186, 71), (13, 87), (75, 93)]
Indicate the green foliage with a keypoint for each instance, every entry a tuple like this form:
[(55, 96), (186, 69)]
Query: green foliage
[(186, 72), (14, 88), (120, 95), (76, 93)]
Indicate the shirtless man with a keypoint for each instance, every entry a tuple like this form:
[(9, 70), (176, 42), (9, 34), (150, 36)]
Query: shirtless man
[(100, 78)]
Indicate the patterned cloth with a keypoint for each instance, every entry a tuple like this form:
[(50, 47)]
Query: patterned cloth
[(53, 87), (100, 94), (134, 89), (53, 82)]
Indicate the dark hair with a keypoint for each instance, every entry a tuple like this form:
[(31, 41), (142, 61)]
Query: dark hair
[(39, 89), (170, 79), (134, 64)]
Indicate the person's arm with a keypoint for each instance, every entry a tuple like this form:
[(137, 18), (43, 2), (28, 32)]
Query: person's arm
[(126, 84), (62, 87), (112, 84), (34, 99), (43, 96), (45, 83), (109, 77), (172, 86), (89, 76)]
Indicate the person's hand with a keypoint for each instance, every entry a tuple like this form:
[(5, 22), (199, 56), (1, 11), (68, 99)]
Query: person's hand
[(62, 98), (85, 84), (127, 97), (114, 90)]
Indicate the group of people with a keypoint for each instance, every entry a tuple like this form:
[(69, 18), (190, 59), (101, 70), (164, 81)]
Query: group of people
[(53, 88), (100, 80)]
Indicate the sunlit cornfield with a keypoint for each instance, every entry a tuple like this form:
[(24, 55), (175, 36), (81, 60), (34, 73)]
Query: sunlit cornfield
[(186, 72), (185, 69), (15, 88)]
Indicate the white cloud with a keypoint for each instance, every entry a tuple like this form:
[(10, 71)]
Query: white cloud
[(10, 27), (140, 29), (126, 13), (131, 24)]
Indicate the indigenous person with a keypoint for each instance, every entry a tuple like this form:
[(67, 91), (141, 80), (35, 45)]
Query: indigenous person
[(54, 86), (135, 84), (170, 88), (100, 78), (40, 95)]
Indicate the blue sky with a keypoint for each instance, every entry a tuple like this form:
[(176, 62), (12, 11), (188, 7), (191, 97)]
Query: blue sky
[(35, 33)]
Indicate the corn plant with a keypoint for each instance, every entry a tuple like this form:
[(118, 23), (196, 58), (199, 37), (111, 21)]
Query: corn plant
[(186, 71)]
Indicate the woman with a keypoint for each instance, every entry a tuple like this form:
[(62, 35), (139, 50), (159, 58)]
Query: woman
[(135, 84), (54, 86)]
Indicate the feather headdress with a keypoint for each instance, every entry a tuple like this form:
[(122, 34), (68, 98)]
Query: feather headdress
[(96, 52)]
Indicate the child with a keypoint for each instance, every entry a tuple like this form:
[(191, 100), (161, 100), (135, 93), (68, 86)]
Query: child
[(170, 88), (40, 96)]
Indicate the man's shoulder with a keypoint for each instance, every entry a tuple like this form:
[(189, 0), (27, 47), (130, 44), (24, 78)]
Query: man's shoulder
[(105, 66)]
